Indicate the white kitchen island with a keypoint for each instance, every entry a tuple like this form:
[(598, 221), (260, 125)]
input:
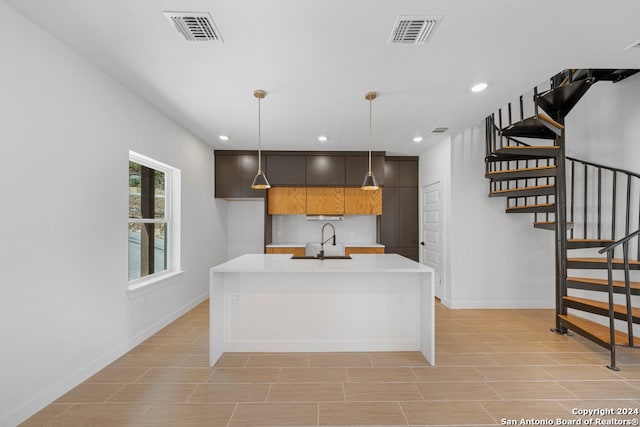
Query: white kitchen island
[(272, 303)]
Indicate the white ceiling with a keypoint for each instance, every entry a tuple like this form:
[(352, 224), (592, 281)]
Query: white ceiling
[(316, 59)]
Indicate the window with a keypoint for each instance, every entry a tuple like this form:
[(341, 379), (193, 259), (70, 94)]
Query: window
[(154, 228)]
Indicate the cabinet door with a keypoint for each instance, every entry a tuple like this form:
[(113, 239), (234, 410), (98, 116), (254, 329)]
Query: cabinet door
[(390, 218), (234, 174), (287, 201), (286, 170), (362, 250), (287, 250), (325, 201), (357, 166), (408, 217), (325, 170), (362, 202)]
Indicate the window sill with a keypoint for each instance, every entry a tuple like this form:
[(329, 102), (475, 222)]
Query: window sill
[(150, 284)]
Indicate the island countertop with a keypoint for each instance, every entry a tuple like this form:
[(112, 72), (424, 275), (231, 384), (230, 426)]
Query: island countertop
[(359, 263)]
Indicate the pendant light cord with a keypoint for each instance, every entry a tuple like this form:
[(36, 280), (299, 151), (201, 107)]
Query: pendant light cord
[(259, 139), (370, 119)]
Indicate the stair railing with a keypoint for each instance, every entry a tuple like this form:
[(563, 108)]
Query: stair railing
[(594, 194), (594, 184), (494, 141), (627, 284)]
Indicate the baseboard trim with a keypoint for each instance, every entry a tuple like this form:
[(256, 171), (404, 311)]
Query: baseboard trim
[(499, 304), (43, 399)]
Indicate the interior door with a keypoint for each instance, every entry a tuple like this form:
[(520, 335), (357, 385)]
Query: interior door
[(432, 232)]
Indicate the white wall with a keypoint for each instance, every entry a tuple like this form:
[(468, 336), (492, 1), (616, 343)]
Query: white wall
[(493, 259), (604, 127), (245, 227), (65, 135)]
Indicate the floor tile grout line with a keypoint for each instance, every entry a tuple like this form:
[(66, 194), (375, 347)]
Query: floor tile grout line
[(233, 412)]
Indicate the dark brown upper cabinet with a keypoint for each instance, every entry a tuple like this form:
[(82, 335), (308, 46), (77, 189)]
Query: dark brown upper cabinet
[(358, 166), (234, 173), (401, 172), (286, 169), (325, 170)]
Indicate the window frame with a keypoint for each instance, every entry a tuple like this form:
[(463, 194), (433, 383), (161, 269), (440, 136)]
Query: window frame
[(171, 220)]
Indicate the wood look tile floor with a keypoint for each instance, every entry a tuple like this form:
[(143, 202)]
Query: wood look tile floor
[(492, 367)]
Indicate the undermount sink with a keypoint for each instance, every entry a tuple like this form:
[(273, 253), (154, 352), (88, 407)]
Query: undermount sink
[(326, 257), (313, 249)]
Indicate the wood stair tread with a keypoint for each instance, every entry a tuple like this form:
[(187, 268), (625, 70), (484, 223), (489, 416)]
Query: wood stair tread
[(521, 170), (603, 305), (604, 282), (600, 332), (587, 243), (533, 187), (549, 225), (603, 260), (591, 240), (529, 147), (539, 205), (550, 121)]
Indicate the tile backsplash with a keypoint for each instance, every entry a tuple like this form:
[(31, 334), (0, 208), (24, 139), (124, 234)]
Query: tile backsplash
[(297, 229)]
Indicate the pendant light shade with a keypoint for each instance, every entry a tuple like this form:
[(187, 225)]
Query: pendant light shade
[(370, 182), (260, 182)]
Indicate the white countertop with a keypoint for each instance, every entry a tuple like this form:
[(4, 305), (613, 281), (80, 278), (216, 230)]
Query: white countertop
[(347, 245), (282, 263)]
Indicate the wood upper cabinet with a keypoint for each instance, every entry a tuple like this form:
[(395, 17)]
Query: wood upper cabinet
[(287, 200), (362, 202), (325, 169), (325, 201)]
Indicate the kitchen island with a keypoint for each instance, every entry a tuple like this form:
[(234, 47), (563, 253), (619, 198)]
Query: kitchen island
[(273, 303)]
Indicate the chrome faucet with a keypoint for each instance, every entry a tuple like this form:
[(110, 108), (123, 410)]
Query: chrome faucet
[(322, 241)]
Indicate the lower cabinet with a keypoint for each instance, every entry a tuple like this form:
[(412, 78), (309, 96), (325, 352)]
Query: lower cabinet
[(363, 250), (297, 251)]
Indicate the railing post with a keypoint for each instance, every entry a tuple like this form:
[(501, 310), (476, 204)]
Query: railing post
[(561, 230), (627, 286), (612, 325)]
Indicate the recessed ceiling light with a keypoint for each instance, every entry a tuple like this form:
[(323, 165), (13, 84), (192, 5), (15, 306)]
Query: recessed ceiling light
[(223, 137), (479, 87), (417, 139), (323, 138)]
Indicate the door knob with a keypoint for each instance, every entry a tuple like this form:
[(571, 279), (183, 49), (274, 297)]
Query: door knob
[(422, 243)]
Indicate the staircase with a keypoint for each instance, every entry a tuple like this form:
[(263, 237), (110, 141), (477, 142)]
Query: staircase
[(590, 208)]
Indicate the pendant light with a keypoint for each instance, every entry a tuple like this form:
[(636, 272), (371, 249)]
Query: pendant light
[(260, 181), (370, 182)]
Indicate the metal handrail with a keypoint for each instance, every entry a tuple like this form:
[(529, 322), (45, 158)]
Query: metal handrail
[(613, 245), (627, 285)]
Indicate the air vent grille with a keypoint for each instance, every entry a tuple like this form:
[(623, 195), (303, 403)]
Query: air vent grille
[(413, 29), (439, 130), (194, 26)]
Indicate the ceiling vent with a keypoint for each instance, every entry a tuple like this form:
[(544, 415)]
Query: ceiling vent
[(194, 26), (413, 29), (439, 130)]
